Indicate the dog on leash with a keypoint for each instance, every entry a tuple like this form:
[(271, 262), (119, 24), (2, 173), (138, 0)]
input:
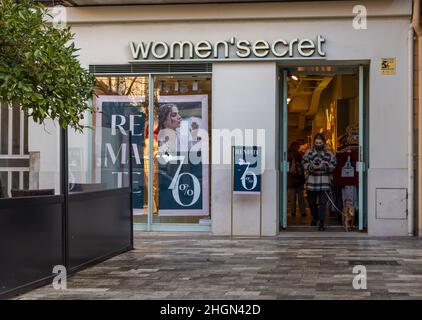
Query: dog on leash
[(349, 213)]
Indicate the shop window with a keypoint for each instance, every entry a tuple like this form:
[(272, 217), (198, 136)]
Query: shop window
[(182, 106), (181, 149), (99, 156)]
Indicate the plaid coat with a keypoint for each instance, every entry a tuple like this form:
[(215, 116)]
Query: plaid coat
[(319, 179)]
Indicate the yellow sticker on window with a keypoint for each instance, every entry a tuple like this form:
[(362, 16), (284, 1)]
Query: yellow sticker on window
[(388, 65)]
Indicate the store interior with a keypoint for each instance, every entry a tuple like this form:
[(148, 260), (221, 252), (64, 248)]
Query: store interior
[(322, 100)]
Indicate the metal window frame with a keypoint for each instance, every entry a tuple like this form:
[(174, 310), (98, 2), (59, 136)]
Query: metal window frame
[(150, 226)]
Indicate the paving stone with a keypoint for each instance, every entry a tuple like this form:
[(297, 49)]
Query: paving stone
[(201, 266)]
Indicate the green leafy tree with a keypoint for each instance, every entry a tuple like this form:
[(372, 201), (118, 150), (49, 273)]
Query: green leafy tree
[(39, 68)]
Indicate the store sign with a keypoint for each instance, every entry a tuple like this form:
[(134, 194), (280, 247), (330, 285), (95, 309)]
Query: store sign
[(246, 169), (225, 49)]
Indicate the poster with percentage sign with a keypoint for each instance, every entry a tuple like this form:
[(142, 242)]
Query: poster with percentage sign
[(183, 155), (247, 170)]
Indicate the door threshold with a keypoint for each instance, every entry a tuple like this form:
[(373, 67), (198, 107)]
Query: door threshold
[(325, 235), (309, 228), (312, 231)]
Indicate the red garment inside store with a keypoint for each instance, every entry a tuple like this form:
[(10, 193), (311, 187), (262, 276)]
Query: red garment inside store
[(342, 157)]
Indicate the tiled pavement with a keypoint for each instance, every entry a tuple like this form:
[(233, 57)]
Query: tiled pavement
[(291, 266)]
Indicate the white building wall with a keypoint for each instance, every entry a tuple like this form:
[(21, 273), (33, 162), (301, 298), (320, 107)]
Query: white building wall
[(104, 36), (244, 102)]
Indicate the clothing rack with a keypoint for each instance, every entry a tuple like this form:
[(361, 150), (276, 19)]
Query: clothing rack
[(348, 148)]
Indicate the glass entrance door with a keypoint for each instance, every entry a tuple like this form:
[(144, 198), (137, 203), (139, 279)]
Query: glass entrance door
[(329, 100), (283, 149)]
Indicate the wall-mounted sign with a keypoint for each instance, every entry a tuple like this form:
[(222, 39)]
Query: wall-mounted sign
[(388, 65), (225, 49), (246, 169)]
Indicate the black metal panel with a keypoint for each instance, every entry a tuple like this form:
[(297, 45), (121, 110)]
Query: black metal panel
[(137, 68), (30, 240), (76, 230), (14, 162), (99, 225)]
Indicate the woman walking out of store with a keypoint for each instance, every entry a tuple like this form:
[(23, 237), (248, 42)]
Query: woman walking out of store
[(319, 163)]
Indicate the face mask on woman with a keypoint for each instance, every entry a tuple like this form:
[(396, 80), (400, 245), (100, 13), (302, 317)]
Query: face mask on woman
[(319, 147)]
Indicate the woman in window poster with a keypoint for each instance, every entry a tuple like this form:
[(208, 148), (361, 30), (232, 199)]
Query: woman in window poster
[(182, 157)]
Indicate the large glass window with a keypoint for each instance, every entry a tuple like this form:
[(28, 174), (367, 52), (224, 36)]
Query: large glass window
[(178, 165), (121, 105), (180, 121), (98, 157), (181, 156)]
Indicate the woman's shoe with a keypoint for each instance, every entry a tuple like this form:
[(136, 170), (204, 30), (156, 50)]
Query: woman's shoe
[(313, 223), (321, 227)]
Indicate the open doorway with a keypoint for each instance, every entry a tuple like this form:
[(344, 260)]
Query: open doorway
[(322, 100)]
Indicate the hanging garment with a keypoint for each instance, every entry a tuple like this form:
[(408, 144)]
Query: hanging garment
[(345, 174), (350, 193)]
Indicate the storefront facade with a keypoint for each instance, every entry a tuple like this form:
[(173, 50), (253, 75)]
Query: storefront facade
[(232, 78)]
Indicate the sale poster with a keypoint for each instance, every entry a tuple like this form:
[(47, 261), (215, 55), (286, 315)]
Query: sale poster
[(117, 116), (183, 155), (246, 169)]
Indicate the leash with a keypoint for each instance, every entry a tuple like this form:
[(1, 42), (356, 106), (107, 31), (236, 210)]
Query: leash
[(332, 202)]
